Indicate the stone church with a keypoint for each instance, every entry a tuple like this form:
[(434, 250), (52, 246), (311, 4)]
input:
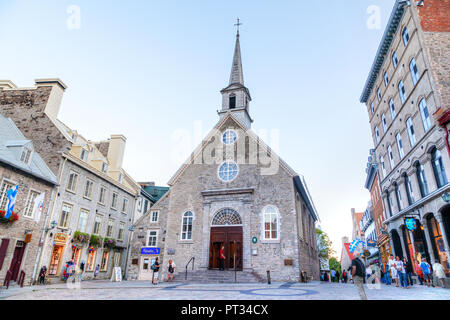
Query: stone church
[(233, 191)]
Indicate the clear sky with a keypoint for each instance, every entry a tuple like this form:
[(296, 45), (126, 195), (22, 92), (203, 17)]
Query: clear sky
[(148, 69)]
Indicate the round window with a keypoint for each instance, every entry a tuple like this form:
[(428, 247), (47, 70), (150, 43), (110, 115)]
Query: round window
[(228, 171), (229, 136)]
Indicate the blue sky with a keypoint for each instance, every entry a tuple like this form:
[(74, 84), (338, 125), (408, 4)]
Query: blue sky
[(149, 68)]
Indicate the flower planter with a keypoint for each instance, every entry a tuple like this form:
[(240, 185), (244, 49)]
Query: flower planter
[(13, 218)]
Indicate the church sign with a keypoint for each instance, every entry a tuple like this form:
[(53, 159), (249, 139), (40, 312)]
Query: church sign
[(147, 250)]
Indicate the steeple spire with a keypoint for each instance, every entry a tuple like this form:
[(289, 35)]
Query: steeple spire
[(237, 75)]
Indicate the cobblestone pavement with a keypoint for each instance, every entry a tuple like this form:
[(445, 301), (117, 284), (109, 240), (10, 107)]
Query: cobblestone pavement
[(143, 290)]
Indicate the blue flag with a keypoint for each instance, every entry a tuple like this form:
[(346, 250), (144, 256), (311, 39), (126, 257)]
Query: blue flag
[(12, 193), (354, 245)]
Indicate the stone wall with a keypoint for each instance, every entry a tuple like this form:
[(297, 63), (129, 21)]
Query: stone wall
[(16, 231)]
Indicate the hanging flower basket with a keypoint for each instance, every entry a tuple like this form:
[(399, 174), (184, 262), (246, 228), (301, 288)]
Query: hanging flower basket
[(12, 218), (109, 243), (95, 241), (81, 237), (91, 248)]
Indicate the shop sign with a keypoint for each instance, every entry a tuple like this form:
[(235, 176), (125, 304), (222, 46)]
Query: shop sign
[(147, 250), (411, 224), (61, 237), (28, 238), (446, 197), (371, 243)]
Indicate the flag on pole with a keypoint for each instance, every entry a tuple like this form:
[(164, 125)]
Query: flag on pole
[(38, 205), (354, 245), (12, 193)]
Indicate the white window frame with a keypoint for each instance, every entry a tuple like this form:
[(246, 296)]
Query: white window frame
[(88, 190), (228, 163), (155, 237), (124, 205), (183, 216), (99, 231), (402, 91), (386, 79), (411, 133), (384, 123), (425, 119), (392, 109), (110, 226), (104, 195), (379, 94), (391, 157), (401, 152), (275, 212), (84, 155), (28, 212), (72, 188), (414, 71), (104, 167), (153, 219), (6, 185), (226, 137), (66, 217), (405, 36), (25, 157), (394, 59), (115, 195), (83, 228), (121, 232)]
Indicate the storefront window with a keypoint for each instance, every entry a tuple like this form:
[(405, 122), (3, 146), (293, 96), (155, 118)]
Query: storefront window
[(76, 253), (438, 244), (91, 260), (55, 260), (104, 263)]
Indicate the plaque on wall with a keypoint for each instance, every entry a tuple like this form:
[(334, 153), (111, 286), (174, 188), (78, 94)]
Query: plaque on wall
[(170, 251), (135, 261), (288, 262)]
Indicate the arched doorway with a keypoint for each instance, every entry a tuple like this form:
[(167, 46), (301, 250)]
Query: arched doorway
[(420, 243), (226, 230), (397, 244), (437, 243)]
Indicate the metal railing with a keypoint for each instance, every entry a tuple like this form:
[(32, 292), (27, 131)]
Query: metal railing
[(21, 278), (7, 279), (193, 261)]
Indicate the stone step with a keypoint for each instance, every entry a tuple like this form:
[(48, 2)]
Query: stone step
[(216, 276)]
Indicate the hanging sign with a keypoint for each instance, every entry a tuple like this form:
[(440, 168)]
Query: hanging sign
[(254, 239), (410, 224), (147, 250), (446, 197), (371, 243)]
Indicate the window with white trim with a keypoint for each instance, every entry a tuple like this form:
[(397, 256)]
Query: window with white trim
[(398, 137), (377, 134), (186, 225), (114, 200), (155, 216), (102, 195), (3, 196), (411, 133), (30, 204), (104, 167), (372, 108), (97, 224), (414, 71), (425, 115), (392, 108), (405, 36), (124, 205), (383, 166), (83, 220), (72, 182), (25, 157), (394, 59), (379, 94), (402, 91), (64, 218), (152, 239), (229, 136), (84, 155), (383, 122), (386, 79), (391, 157), (270, 223), (121, 231), (88, 189), (228, 171), (110, 228)]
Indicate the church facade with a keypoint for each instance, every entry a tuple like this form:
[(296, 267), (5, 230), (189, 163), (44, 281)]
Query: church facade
[(233, 191)]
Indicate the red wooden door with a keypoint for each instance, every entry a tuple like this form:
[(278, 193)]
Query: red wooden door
[(231, 239), (17, 259), (3, 249)]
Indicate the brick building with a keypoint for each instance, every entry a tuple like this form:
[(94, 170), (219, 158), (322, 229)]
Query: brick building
[(407, 84), (22, 166), (235, 192), (94, 207)]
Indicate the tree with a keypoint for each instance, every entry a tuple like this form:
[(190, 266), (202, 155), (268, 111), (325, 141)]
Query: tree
[(324, 245), (334, 264)]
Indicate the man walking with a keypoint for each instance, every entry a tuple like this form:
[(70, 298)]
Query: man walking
[(333, 275), (386, 271), (358, 272), (426, 270)]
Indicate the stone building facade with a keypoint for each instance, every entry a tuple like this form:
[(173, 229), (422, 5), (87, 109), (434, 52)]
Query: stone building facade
[(95, 196), (235, 192), (406, 85), (20, 240)]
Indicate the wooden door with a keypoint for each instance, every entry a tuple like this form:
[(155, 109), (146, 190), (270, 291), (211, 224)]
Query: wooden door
[(17, 259), (231, 239)]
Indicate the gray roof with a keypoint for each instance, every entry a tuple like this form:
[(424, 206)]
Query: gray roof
[(12, 142), (386, 41)]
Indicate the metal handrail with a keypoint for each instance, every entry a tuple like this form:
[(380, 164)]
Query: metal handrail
[(21, 278), (7, 279), (193, 261)]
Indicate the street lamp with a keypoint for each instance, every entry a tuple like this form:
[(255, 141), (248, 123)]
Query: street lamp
[(52, 225)]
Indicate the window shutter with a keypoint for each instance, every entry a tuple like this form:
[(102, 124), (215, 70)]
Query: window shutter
[(3, 248)]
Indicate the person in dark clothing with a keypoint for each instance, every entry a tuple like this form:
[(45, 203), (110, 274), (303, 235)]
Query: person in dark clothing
[(155, 268), (42, 275), (358, 272), (409, 271)]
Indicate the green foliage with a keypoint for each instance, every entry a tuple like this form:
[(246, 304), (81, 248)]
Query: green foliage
[(81, 237), (324, 245), (109, 243), (95, 241), (334, 264)]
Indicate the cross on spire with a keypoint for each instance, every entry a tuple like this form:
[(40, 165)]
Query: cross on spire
[(238, 24)]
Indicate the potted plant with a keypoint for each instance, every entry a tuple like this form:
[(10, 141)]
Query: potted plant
[(81, 237), (12, 218), (109, 243), (95, 241)]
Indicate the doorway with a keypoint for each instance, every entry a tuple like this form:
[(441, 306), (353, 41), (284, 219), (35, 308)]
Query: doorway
[(16, 261), (231, 239), (55, 260)]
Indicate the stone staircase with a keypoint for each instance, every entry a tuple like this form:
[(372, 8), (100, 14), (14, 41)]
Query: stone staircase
[(217, 276)]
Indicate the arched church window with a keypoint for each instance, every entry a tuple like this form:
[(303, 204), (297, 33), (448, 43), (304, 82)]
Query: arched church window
[(226, 217), (228, 171), (232, 101), (271, 223), (229, 136), (186, 228)]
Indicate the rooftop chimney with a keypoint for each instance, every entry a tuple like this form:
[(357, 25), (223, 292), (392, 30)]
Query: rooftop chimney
[(54, 101), (116, 151)]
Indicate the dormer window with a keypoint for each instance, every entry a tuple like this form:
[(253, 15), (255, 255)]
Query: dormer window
[(104, 167), (84, 155), (26, 155), (232, 101)]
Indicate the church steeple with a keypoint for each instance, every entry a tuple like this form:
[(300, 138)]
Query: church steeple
[(236, 97)]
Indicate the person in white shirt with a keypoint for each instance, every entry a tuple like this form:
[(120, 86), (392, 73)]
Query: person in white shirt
[(399, 265), (393, 269), (170, 270), (439, 272)]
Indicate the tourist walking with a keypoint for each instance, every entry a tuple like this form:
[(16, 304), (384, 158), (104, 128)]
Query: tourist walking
[(408, 269), (222, 258), (42, 273), (393, 269), (333, 275), (97, 270), (344, 276), (426, 270), (419, 273), (439, 272), (386, 271), (170, 270), (400, 266), (358, 275), (155, 268)]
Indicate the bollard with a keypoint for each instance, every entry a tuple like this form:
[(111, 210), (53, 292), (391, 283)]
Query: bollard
[(268, 277)]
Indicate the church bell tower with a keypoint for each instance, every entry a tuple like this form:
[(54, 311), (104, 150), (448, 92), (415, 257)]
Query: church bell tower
[(236, 97)]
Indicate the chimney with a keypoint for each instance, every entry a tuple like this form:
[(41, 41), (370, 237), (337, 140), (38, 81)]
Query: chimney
[(7, 84), (116, 151), (54, 101)]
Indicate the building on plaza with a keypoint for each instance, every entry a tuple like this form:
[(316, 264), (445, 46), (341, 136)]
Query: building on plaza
[(356, 225), (232, 191), (93, 208), (369, 234), (346, 255), (373, 185), (407, 84), (22, 166)]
